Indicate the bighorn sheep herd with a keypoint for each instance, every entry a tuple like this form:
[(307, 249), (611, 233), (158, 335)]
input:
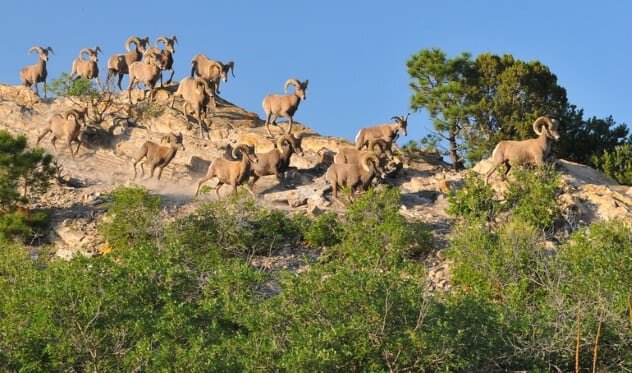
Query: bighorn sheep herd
[(353, 167)]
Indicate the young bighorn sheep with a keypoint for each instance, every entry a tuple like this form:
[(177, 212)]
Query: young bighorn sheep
[(33, 74), (276, 106), (276, 161), (355, 176), (211, 70), (380, 147), (89, 67), (119, 63), (388, 132), (146, 72), (531, 151), (233, 173), (157, 155), (197, 93), (67, 129), (166, 54)]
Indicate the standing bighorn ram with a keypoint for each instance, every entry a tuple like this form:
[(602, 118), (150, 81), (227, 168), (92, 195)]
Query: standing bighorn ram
[(211, 70), (380, 147), (157, 155), (388, 132), (33, 74), (276, 106), (66, 129), (89, 67), (276, 161), (166, 54), (531, 151), (355, 176), (233, 173), (146, 72), (119, 63), (197, 93)]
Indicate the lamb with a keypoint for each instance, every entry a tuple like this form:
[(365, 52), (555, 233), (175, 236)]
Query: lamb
[(275, 105), (388, 132), (355, 176), (146, 72), (89, 67), (166, 54), (531, 151), (119, 63), (352, 155), (158, 155), (276, 161), (211, 70), (33, 74), (233, 173), (197, 93), (66, 129)]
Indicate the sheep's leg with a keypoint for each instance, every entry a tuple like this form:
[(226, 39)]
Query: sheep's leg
[(289, 128), (120, 79), (42, 135), (268, 121), (70, 148), (202, 181), (252, 182), (129, 90), (233, 188), (186, 114), (36, 91), (249, 189), (507, 168), (142, 169), (101, 87), (171, 76), (134, 164), (44, 88), (53, 140), (151, 172), (219, 185), (160, 172)]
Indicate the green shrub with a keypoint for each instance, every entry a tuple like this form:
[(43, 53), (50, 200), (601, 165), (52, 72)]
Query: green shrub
[(64, 86), (616, 163), (324, 230), (132, 218), (23, 227), (531, 195), (476, 200)]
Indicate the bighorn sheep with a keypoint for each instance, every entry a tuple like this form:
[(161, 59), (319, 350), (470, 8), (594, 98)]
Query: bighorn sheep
[(352, 155), (197, 93), (355, 176), (89, 67), (276, 161), (233, 173), (66, 129), (157, 155), (36, 73), (276, 106), (531, 151), (146, 72), (211, 70), (119, 63), (166, 54), (388, 132)]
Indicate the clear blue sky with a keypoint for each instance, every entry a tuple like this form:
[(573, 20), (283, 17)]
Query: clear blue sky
[(353, 53)]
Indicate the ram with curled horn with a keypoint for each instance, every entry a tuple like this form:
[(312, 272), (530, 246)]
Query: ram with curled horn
[(118, 64), (166, 54), (36, 73), (277, 161), (276, 105), (233, 173), (211, 70), (388, 131), (87, 68), (156, 155), (531, 151), (66, 129), (196, 92), (356, 177)]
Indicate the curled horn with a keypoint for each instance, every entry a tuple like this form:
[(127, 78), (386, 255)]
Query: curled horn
[(37, 49), (293, 82), (231, 67), (536, 124), (369, 157), (290, 140), (97, 50), (203, 82), (86, 51), (49, 49), (175, 40), (161, 39), (130, 40), (242, 148), (216, 64), (75, 113)]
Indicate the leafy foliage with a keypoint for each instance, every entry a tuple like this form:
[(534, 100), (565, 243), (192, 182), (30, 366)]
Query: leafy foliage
[(616, 163), (531, 195), (65, 86), (475, 200)]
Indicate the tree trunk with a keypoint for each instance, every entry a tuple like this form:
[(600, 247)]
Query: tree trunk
[(457, 163)]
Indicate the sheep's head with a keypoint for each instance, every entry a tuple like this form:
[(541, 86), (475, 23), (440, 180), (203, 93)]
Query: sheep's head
[(294, 143), (370, 162), (384, 148), (176, 140), (78, 115), (42, 52), (551, 129), (154, 58), (402, 123), (168, 42), (91, 53), (230, 65), (247, 151), (300, 88), (204, 85)]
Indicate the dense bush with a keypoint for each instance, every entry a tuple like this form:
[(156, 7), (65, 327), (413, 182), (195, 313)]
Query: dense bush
[(64, 86), (475, 200), (616, 163)]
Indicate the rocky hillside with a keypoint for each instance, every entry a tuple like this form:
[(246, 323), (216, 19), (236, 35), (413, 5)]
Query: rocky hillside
[(104, 162)]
